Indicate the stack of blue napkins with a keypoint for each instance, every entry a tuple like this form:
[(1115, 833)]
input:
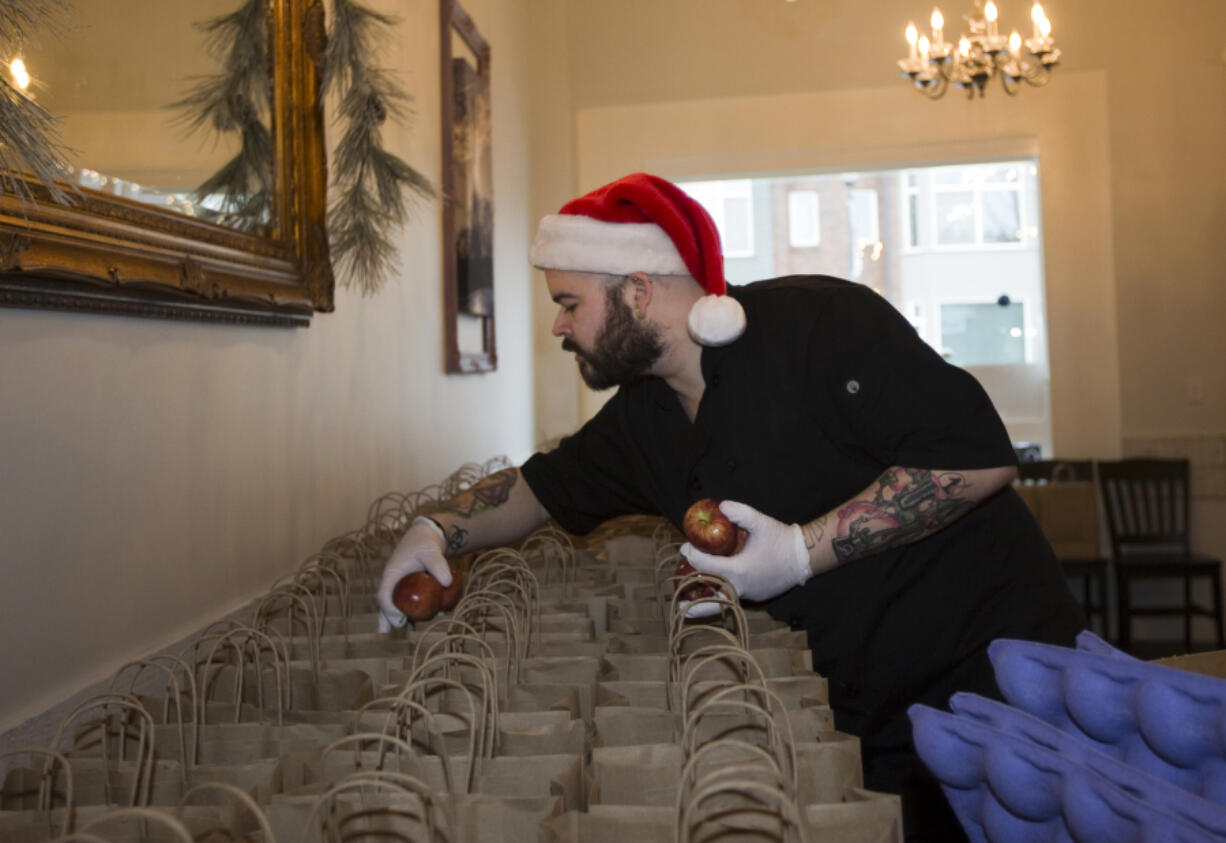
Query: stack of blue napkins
[(1093, 745)]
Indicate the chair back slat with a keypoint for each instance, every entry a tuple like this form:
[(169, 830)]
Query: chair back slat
[(1146, 502)]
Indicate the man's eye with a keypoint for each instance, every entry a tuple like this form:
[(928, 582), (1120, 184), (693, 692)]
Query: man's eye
[(570, 308)]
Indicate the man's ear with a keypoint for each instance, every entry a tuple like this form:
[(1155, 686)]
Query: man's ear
[(640, 288)]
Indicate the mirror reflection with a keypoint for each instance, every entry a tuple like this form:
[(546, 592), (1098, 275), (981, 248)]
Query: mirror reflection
[(139, 87)]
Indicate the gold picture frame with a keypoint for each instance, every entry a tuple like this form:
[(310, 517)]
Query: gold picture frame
[(108, 254)]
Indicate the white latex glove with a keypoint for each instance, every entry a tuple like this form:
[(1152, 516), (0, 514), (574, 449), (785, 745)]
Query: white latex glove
[(419, 549), (695, 610), (773, 560)]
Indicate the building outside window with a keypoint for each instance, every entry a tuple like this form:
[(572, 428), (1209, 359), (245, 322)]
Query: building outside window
[(730, 204), (804, 219)]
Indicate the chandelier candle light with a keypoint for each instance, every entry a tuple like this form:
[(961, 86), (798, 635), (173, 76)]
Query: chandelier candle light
[(934, 64)]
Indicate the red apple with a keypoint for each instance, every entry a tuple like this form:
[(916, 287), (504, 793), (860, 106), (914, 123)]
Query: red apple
[(453, 592), (696, 590), (708, 529), (418, 595)]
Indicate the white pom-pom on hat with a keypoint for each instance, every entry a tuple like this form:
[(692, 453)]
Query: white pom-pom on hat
[(716, 320)]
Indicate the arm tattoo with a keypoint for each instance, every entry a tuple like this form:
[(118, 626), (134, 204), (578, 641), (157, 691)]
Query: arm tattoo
[(455, 540), (813, 532), (908, 504), (487, 493)]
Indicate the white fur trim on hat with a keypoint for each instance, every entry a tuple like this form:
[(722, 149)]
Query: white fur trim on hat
[(716, 320), (583, 244)]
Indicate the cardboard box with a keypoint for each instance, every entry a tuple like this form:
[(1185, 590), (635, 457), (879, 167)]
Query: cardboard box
[(1212, 663)]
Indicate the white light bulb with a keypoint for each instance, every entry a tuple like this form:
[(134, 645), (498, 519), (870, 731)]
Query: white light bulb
[(989, 11), (912, 34), (938, 20), (1015, 42), (21, 76)]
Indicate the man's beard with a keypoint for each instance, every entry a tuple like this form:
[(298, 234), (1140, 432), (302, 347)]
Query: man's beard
[(624, 350)]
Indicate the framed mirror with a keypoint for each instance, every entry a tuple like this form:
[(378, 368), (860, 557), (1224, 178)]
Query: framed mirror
[(141, 234), (468, 197)]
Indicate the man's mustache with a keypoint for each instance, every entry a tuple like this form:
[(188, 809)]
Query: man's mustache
[(570, 345)]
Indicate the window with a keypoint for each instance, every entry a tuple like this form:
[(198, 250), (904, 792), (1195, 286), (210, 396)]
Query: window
[(970, 206), (804, 219), (983, 334), (863, 226), (730, 204), (910, 192)]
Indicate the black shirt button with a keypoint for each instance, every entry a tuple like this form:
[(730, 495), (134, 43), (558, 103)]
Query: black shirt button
[(695, 484), (715, 381), (731, 464)]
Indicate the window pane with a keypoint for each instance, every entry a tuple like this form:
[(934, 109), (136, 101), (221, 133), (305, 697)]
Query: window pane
[(955, 218), (804, 228), (913, 220), (953, 176), (983, 334), (1002, 216), (738, 226), (730, 204), (1001, 173)]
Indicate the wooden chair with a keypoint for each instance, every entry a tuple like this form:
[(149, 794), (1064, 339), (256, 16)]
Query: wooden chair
[(1075, 540), (1147, 506)]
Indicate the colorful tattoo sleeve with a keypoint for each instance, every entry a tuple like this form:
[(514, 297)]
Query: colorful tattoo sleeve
[(487, 493), (908, 504)]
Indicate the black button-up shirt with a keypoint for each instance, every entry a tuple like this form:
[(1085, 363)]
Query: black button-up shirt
[(827, 388)]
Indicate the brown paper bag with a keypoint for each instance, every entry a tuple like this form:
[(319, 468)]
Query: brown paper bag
[(630, 725), (864, 816), (471, 818), (199, 820), (772, 661), (826, 771), (312, 772)]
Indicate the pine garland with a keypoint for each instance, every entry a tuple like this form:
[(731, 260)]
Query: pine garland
[(370, 182), (236, 100), (30, 139)]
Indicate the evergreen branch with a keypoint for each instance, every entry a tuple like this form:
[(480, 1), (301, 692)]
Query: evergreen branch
[(360, 239), (371, 182), (236, 100), (18, 18), (354, 29), (30, 142)]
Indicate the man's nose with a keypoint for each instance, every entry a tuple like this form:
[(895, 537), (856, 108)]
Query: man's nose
[(561, 325)]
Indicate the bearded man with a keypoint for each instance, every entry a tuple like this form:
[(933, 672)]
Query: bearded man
[(872, 476)]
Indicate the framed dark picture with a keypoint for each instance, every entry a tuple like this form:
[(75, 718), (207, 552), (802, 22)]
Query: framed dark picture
[(468, 197)]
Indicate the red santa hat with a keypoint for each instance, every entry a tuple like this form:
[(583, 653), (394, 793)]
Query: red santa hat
[(642, 223)]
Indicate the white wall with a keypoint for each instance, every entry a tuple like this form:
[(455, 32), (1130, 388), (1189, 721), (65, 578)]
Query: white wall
[(158, 474)]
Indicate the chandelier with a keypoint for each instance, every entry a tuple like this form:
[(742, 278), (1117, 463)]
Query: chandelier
[(983, 53)]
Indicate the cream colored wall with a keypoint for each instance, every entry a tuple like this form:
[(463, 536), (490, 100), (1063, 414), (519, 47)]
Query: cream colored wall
[(158, 474), (558, 388)]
